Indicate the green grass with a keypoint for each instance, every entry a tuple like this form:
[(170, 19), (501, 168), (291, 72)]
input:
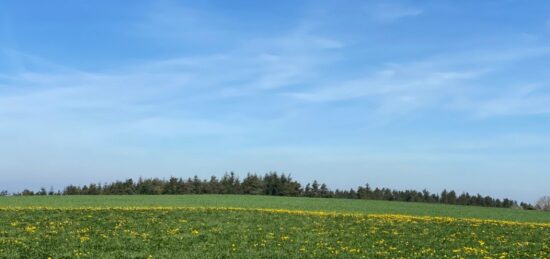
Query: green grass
[(293, 203), (240, 226), (249, 233)]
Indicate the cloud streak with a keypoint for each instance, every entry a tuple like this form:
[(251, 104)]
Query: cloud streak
[(391, 12), (438, 82)]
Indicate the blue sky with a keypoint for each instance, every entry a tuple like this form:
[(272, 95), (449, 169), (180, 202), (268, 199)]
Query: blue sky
[(400, 94)]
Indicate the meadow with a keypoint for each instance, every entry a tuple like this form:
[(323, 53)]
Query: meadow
[(276, 202), (207, 226)]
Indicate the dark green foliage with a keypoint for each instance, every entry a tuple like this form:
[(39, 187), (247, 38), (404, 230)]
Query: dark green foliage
[(252, 184)]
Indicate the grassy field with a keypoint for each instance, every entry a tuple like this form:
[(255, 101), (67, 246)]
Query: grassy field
[(294, 203), (213, 226)]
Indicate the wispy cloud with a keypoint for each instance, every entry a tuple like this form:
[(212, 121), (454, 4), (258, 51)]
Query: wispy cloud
[(292, 59), (457, 81), (399, 82), (517, 101), (182, 96), (391, 12), (171, 24), (502, 143)]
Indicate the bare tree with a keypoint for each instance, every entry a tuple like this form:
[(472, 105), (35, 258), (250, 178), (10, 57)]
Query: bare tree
[(543, 203)]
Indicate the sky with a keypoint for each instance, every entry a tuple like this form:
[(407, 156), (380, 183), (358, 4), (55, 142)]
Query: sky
[(399, 94)]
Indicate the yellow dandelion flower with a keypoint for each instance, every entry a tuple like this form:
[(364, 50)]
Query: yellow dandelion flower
[(30, 229)]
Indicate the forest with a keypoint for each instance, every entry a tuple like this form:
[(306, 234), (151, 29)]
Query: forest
[(275, 184)]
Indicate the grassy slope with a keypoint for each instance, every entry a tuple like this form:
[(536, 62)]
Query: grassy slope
[(226, 233), (248, 201)]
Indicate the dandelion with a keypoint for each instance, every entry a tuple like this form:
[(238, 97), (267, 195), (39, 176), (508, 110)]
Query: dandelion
[(175, 231), (30, 229)]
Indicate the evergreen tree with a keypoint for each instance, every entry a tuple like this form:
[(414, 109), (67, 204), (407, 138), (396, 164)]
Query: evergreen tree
[(315, 188), (252, 184), (324, 192)]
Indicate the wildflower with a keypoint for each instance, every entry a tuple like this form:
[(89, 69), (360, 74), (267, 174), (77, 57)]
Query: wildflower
[(30, 229)]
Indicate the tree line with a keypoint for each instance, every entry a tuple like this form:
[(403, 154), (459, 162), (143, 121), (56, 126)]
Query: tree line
[(272, 184)]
